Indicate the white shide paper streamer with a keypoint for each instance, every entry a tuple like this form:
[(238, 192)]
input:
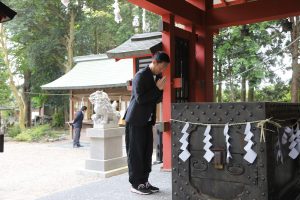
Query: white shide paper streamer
[(250, 155), (227, 137), (184, 140), (208, 153), (294, 141)]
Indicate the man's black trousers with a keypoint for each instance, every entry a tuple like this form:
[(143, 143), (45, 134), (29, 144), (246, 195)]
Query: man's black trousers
[(139, 148), (76, 136)]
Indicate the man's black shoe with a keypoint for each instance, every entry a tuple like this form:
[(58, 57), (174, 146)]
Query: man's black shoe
[(141, 189), (151, 187), (77, 146)]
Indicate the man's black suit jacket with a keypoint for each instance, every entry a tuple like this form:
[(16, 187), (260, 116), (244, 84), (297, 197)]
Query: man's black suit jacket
[(144, 97), (77, 123)]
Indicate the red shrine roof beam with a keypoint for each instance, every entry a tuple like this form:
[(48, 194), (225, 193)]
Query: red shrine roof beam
[(224, 12), (252, 12), (6, 13)]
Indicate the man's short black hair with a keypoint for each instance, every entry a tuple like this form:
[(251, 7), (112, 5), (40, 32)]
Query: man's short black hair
[(83, 108), (161, 56)]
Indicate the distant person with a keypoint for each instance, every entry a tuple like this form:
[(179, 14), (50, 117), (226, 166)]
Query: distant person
[(147, 91), (77, 125)]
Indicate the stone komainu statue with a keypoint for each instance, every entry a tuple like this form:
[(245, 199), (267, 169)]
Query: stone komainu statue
[(105, 113)]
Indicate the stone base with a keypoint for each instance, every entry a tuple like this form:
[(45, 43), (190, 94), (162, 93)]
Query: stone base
[(105, 174), (105, 126), (105, 165), (106, 155)]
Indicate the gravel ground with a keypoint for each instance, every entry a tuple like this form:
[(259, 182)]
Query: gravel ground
[(32, 170)]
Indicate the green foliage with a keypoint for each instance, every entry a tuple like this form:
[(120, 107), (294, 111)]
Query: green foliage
[(244, 56), (38, 44), (13, 131), (23, 137), (279, 92), (58, 119), (38, 100), (38, 36), (37, 133), (4, 89)]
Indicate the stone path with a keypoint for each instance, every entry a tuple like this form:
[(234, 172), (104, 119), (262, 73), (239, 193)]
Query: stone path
[(32, 170), (51, 171), (117, 188)]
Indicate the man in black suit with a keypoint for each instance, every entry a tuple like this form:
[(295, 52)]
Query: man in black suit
[(77, 125), (147, 91)]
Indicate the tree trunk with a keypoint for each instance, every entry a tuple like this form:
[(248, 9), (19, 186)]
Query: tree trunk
[(294, 49), (215, 86), (243, 89), (96, 50), (220, 83), (232, 96), (70, 42), (27, 99), (251, 91), (215, 92), (18, 96)]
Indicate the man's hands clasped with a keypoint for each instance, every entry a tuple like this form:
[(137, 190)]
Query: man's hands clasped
[(161, 83)]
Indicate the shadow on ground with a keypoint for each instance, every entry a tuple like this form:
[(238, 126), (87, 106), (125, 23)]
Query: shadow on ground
[(117, 188)]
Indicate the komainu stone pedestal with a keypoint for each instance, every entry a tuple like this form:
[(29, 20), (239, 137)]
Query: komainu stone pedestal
[(106, 155)]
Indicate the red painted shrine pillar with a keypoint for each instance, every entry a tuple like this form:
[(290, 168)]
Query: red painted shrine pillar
[(168, 37), (204, 62), (204, 68), (200, 72)]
